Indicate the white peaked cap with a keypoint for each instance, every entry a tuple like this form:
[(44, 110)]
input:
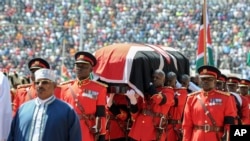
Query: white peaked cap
[(45, 73)]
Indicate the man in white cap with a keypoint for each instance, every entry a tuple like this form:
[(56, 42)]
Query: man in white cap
[(45, 118)]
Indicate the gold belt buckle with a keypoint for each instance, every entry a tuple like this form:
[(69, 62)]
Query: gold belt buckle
[(207, 128)]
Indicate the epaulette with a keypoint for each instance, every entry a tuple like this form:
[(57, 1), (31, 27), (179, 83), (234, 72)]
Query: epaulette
[(181, 88), (194, 93), (66, 82), (223, 93), (13, 90), (168, 87), (100, 83), (23, 86)]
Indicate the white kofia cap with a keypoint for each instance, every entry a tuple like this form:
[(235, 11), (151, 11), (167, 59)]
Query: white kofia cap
[(45, 73)]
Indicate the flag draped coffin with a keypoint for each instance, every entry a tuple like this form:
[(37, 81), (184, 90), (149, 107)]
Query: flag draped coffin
[(134, 64)]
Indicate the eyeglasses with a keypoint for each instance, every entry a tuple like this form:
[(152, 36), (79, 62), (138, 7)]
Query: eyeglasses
[(43, 82)]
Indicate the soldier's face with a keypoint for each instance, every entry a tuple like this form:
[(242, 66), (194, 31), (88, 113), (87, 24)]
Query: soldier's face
[(220, 85), (158, 80), (172, 82), (244, 90), (185, 83), (207, 83), (83, 70), (231, 87), (32, 76)]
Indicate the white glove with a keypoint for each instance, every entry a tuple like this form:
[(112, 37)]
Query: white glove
[(110, 100), (131, 95)]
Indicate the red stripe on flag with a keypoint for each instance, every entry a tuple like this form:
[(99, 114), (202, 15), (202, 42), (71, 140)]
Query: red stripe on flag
[(110, 59), (161, 51), (65, 72)]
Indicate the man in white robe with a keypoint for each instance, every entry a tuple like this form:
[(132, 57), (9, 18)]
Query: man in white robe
[(5, 107)]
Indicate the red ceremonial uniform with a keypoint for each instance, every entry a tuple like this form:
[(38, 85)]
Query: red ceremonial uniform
[(248, 98), (90, 95), (117, 116), (244, 89), (13, 94), (175, 115), (218, 103), (151, 110), (24, 93), (244, 110)]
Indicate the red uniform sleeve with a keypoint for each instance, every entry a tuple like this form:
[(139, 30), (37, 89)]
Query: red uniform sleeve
[(16, 102), (157, 98), (244, 111), (101, 100), (169, 92), (103, 126), (140, 106), (57, 92), (182, 96), (187, 124), (230, 111)]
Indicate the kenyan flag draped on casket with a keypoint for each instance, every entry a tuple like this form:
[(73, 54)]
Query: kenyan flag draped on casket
[(134, 64)]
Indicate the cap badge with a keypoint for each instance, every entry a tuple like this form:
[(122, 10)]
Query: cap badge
[(36, 63), (204, 71), (81, 57)]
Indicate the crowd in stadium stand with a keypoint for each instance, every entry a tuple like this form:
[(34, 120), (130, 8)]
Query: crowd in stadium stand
[(42, 28)]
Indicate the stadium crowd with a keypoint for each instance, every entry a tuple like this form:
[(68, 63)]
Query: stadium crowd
[(42, 28)]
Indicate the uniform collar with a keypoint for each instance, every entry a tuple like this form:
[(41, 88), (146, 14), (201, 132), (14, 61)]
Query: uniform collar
[(83, 82), (206, 93)]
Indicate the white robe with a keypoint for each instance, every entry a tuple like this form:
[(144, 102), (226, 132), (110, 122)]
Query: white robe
[(5, 107)]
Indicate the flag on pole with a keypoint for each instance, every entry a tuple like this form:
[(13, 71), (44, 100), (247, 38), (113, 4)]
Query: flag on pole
[(64, 73), (248, 59), (204, 49)]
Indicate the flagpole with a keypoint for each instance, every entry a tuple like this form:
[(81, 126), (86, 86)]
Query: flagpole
[(205, 30), (81, 48), (63, 54)]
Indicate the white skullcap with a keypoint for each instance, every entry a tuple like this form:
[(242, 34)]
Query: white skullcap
[(45, 73)]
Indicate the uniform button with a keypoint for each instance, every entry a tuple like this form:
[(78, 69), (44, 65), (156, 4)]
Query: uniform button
[(205, 121), (143, 121), (205, 104)]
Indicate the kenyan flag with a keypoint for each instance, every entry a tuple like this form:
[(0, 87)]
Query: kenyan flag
[(64, 73), (200, 61)]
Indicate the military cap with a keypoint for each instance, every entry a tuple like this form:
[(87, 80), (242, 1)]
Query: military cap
[(244, 83), (222, 78), (38, 63), (233, 80), (85, 57), (209, 71)]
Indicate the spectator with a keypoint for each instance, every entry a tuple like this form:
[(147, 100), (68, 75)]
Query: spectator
[(41, 29)]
